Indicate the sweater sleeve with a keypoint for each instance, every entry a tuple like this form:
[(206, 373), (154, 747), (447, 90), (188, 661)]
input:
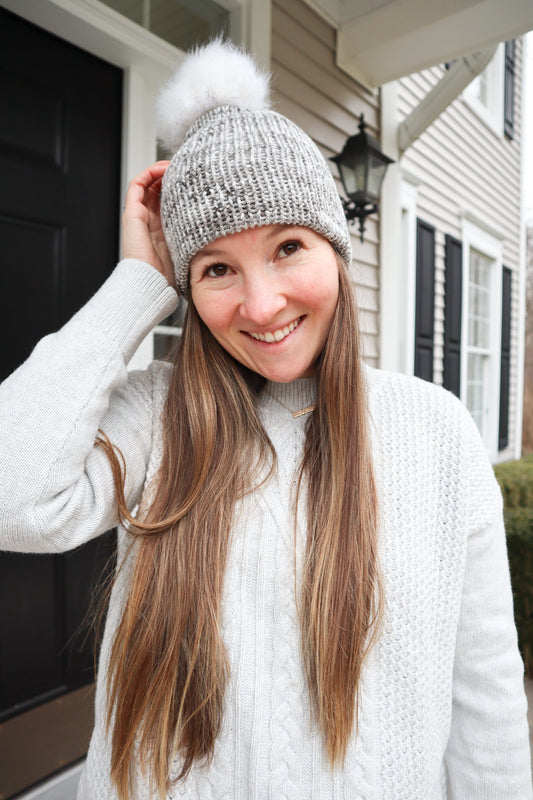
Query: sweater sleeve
[(488, 755), (56, 488)]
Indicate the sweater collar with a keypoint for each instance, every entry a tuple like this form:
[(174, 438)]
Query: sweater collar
[(289, 397)]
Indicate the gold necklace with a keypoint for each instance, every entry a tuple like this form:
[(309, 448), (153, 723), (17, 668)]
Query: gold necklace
[(302, 411)]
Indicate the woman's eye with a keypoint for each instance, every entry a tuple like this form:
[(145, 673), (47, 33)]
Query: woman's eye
[(289, 248), (216, 271)]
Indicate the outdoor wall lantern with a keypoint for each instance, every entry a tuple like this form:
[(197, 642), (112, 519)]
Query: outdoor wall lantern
[(362, 168)]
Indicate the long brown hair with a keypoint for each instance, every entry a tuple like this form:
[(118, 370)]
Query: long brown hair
[(168, 665)]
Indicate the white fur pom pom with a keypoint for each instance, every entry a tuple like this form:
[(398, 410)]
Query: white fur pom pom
[(217, 74)]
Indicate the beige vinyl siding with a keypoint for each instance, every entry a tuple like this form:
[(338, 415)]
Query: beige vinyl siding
[(465, 168), (326, 103)]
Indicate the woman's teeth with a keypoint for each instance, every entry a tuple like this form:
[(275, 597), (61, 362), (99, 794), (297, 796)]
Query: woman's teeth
[(275, 336)]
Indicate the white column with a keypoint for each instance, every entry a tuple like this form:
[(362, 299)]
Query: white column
[(390, 277)]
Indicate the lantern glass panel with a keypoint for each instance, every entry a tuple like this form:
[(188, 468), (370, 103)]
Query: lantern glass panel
[(375, 177), (348, 178), (353, 177)]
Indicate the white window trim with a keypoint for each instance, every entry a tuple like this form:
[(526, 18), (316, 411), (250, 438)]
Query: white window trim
[(491, 116), (479, 239)]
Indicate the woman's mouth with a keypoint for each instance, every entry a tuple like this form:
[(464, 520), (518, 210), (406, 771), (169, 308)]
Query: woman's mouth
[(276, 335)]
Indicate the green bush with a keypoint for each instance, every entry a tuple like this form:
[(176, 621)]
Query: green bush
[(516, 482)]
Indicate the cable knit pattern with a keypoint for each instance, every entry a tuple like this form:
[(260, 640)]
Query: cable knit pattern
[(442, 712)]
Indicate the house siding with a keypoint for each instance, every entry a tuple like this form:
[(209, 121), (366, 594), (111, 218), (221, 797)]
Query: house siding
[(464, 168), (312, 91)]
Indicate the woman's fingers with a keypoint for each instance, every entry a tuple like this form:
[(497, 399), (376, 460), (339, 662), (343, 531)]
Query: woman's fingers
[(142, 235), (151, 174), (145, 185)]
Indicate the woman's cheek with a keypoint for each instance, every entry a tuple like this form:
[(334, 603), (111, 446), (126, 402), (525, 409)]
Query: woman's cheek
[(215, 308)]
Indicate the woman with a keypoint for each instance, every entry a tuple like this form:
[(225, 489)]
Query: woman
[(313, 596)]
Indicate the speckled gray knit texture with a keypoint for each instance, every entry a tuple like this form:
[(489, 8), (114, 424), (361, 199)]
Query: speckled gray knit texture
[(240, 169)]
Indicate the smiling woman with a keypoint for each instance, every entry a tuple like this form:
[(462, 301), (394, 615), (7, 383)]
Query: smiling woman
[(312, 596)]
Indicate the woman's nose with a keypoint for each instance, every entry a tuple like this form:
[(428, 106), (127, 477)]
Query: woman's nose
[(262, 298)]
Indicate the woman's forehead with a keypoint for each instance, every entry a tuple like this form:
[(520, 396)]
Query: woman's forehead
[(255, 236)]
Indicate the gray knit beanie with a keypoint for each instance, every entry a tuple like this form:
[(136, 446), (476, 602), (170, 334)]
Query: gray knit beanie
[(237, 164)]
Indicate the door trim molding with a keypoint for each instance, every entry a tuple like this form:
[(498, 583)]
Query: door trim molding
[(100, 30), (62, 786)]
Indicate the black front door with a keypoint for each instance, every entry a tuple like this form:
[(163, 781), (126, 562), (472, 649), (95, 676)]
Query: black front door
[(60, 135)]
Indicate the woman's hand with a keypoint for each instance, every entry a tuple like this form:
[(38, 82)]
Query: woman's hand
[(142, 234)]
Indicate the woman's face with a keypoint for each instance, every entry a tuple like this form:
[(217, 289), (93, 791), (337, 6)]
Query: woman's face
[(268, 296)]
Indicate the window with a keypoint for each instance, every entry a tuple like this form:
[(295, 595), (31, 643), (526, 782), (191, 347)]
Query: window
[(485, 94), (482, 325), (478, 344), (183, 23)]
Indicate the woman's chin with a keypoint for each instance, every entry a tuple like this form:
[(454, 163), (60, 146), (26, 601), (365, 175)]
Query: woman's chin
[(286, 374)]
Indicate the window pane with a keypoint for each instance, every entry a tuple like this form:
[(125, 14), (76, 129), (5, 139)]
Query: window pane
[(132, 9), (183, 23), (175, 320), (168, 333), (479, 301), (187, 23), (479, 337), (164, 346), (476, 387)]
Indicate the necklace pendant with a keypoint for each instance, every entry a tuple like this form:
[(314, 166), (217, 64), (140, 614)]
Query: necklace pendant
[(303, 411), (300, 413)]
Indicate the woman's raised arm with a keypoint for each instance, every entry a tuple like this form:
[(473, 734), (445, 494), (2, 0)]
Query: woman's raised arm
[(56, 488)]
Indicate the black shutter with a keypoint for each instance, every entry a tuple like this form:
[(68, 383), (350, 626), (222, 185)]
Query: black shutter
[(425, 299), (503, 433), (453, 293), (508, 117)]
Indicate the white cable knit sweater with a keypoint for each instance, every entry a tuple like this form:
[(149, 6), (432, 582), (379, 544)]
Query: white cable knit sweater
[(443, 712)]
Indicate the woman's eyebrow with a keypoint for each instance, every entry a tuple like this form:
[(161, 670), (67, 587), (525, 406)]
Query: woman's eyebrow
[(219, 251), (210, 251), (278, 229)]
